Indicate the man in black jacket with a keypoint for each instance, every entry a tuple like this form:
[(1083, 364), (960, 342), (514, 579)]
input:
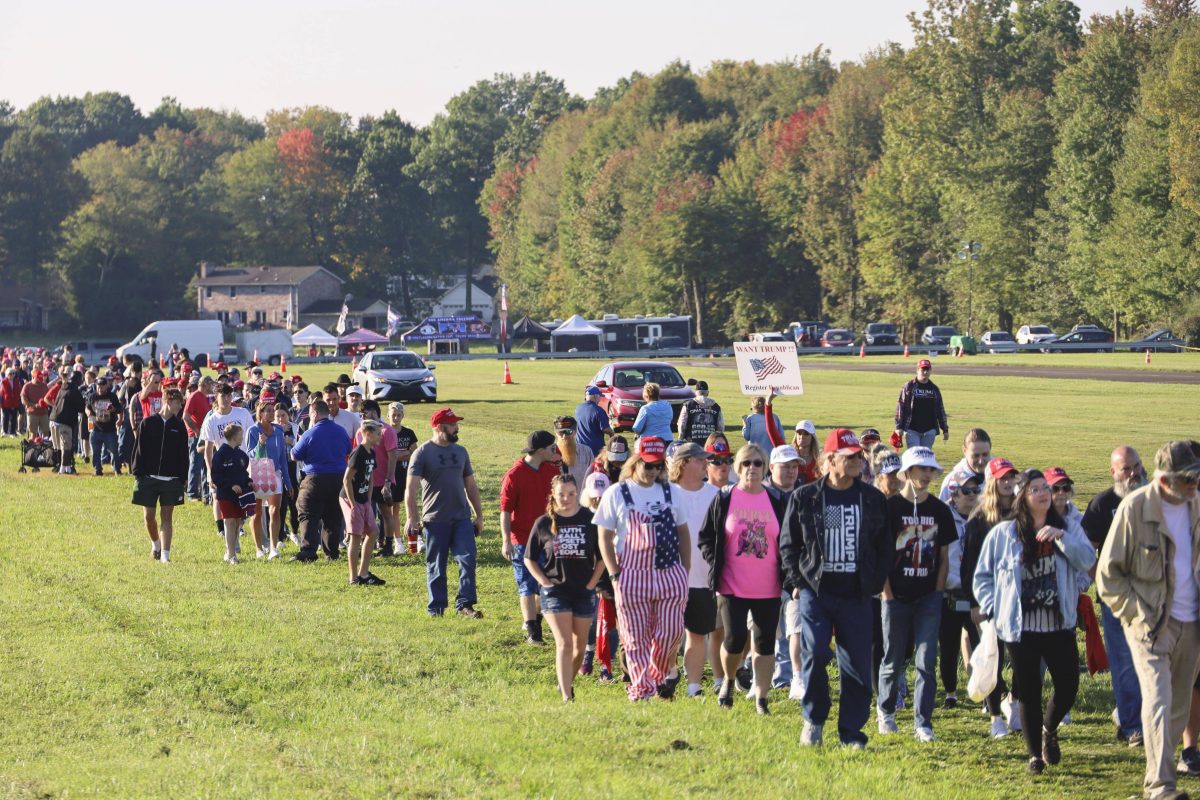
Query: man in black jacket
[(836, 555), (160, 466), (64, 420)]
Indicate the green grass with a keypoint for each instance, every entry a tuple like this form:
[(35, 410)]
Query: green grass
[(126, 678)]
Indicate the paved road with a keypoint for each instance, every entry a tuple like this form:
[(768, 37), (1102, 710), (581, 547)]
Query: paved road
[(995, 370)]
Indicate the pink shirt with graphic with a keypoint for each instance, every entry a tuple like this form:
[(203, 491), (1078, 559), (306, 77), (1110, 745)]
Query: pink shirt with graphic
[(751, 547)]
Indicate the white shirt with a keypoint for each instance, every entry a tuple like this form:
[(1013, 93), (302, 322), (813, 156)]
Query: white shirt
[(694, 506), (612, 512), (347, 421), (211, 430), (1185, 602)]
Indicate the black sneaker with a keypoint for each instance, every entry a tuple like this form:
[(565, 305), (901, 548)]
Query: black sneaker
[(304, 559), (1036, 765), (358, 581), (389, 547), (1050, 750), (374, 580), (1189, 762), (670, 684), (725, 696), (744, 678), (760, 705), (533, 633), (950, 702), (438, 612), (470, 612), (155, 555)]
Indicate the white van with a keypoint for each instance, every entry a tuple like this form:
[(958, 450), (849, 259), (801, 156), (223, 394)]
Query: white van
[(201, 337), (772, 336)]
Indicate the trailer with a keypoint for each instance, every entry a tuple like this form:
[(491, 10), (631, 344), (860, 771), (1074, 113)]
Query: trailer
[(268, 345)]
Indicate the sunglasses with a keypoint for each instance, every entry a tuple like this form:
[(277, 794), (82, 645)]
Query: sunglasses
[(657, 465), (1060, 489), (566, 432), (757, 462), (720, 462), (970, 490)]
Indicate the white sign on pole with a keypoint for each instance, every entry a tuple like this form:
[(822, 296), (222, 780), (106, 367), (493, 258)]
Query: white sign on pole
[(763, 366)]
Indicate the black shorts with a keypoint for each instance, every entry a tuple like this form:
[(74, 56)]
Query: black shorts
[(151, 492), (377, 496), (700, 613)]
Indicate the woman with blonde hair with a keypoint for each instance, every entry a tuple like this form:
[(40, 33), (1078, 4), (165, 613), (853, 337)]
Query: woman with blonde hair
[(655, 416)]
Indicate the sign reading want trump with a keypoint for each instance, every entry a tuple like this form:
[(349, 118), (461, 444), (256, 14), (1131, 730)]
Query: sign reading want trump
[(763, 366)]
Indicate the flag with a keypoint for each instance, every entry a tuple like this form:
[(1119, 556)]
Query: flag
[(287, 317), (393, 322), (765, 366), (341, 323)]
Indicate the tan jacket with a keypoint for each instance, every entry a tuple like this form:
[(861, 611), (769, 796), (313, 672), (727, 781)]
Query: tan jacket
[(1135, 573)]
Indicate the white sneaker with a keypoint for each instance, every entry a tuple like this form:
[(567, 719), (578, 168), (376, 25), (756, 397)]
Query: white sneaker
[(752, 692), (797, 690), (232, 560), (260, 552), (272, 554), (1066, 720), (164, 558), (1116, 718), (1012, 712), (887, 722), (812, 735), (925, 735)]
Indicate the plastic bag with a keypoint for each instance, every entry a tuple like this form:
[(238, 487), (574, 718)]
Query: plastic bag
[(985, 663), (264, 478)]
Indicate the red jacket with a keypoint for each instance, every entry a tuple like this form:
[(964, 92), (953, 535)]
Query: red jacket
[(10, 393)]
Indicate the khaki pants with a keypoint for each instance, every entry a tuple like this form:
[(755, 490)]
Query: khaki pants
[(1166, 671)]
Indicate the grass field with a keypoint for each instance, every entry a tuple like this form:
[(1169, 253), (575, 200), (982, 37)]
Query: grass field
[(127, 678)]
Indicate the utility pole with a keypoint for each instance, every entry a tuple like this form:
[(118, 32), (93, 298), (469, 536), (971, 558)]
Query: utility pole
[(969, 252)]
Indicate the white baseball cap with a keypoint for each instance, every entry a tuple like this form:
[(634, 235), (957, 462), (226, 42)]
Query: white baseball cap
[(918, 457), (806, 425), (783, 454)]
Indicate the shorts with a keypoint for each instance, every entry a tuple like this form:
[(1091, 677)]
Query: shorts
[(527, 585), (700, 613), (360, 517), (230, 509), (150, 492), (564, 600), (377, 496), (791, 617)]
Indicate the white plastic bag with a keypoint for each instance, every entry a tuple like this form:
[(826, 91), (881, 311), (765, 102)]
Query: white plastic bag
[(985, 663)]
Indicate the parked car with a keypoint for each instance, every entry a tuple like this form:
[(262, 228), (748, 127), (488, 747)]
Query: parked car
[(1032, 334), (1082, 341), (1160, 341), (881, 334), (938, 335), (395, 375), (808, 333), (1085, 327), (997, 342), (837, 337), (620, 384), (769, 336)]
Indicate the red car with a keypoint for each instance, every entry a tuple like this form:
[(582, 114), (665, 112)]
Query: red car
[(837, 337), (620, 385)]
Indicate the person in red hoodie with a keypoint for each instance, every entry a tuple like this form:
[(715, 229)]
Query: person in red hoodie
[(524, 494), (10, 401)]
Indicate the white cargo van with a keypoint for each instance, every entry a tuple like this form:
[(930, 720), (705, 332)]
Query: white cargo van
[(201, 337), (268, 345)]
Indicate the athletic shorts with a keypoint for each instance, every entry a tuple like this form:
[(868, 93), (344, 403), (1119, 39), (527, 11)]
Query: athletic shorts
[(151, 492), (360, 517), (230, 509), (700, 613), (377, 496)]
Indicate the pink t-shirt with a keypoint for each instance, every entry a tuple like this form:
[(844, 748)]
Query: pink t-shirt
[(751, 567), (387, 443)]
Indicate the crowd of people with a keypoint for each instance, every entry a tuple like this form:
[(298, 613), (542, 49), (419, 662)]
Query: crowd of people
[(672, 557)]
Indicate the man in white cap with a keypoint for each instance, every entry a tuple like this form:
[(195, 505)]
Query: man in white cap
[(923, 530), (785, 472)]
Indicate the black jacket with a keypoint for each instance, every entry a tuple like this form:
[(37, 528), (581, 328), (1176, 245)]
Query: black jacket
[(68, 405), (161, 448), (712, 534), (973, 537), (802, 540)]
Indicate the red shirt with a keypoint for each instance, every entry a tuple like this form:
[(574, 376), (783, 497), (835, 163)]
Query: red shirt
[(194, 410), (524, 493), (151, 403)]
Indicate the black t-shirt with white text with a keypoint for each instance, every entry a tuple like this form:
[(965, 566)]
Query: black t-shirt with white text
[(920, 531), (569, 556), (843, 529), (362, 459)]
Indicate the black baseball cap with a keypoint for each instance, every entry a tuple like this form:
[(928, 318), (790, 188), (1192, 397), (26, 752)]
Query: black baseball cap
[(539, 440)]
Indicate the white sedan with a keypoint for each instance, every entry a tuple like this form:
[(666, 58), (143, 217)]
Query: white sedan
[(998, 342)]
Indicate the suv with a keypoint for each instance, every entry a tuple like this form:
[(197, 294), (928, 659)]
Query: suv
[(1032, 334), (395, 375), (620, 384), (938, 335), (881, 334)]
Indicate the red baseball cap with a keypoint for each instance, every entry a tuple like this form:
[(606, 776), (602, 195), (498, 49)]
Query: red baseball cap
[(1056, 475), (924, 363), (651, 449), (999, 467), (444, 416), (296, 379), (718, 448), (842, 441)]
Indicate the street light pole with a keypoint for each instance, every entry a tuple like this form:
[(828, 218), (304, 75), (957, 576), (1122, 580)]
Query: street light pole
[(969, 252)]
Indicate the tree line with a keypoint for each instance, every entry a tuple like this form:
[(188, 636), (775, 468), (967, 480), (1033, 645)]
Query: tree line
[(746, 194)]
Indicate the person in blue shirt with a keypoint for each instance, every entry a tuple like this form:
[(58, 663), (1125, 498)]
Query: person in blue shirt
[(654, 418), (266, 441), (322, 450), (593, 427), (754, 425)]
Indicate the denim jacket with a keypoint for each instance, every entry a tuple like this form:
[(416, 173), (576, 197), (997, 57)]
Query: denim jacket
[(998, 576)]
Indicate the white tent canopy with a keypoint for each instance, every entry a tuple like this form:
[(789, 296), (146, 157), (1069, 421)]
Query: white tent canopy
[(314, 334), (576, 326)]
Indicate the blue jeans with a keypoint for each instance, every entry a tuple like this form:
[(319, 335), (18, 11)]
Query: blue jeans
[(442, 539), (819, 614), (106, 440), (527, 585), (125, 442), (920, 438), (1126, 690), (921, 620), (197, 484)]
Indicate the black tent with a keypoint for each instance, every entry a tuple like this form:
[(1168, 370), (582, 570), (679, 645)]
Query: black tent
[(527, 328)]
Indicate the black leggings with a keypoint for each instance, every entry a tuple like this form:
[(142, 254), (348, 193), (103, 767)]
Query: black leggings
[(765, 611), (949, 638), (1061, 655)]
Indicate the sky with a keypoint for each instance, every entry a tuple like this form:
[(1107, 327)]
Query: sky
[(364, 57)]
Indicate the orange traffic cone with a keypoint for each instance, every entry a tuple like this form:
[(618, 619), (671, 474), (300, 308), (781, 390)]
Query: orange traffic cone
[(1147, 355), (862, 350), (255, 357), (906, 350), (961, 350), (507, 375), (282, 362), (208, 362)]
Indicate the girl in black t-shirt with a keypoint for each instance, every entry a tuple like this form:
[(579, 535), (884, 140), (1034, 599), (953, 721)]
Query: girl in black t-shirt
[(563, 555)]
